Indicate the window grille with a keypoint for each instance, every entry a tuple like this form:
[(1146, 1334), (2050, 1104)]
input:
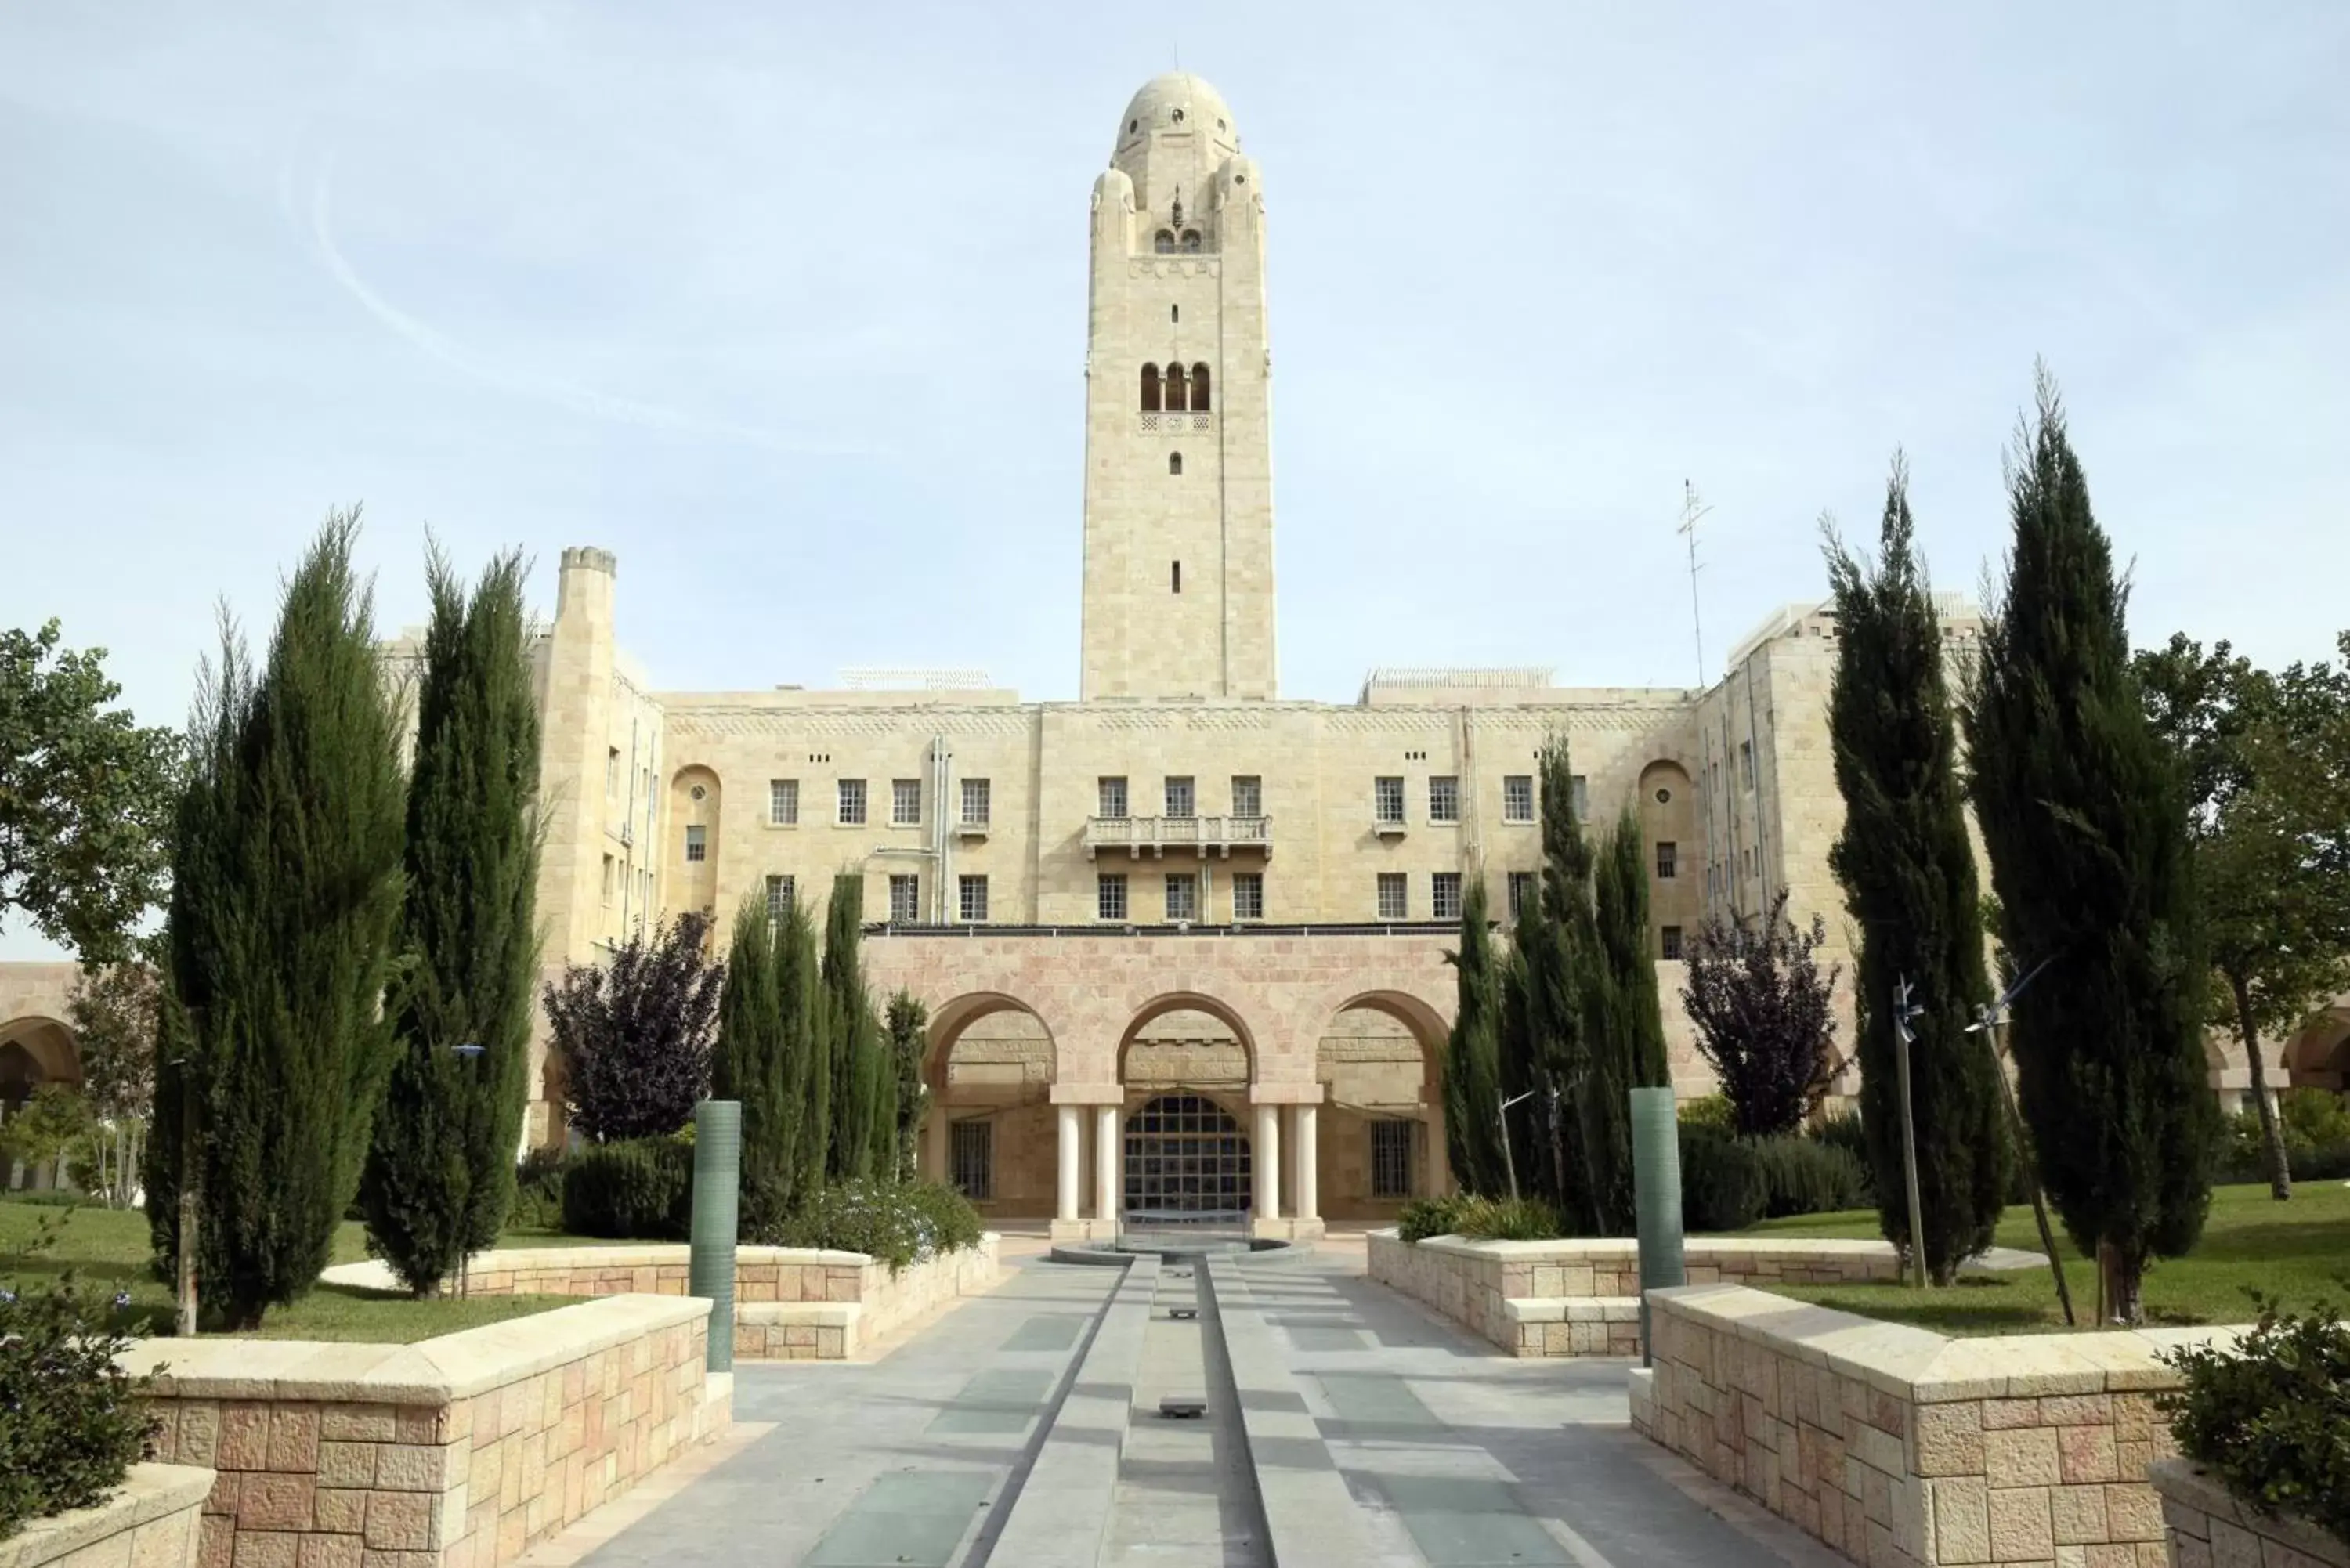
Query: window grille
[(1444, 895), (1668, 860), (1669, 941), (975, 802), (906, 897), (1387, 799), (906, 803), (852, 803), (1109, 896), (1248, 895), (971, 1151), (1392, 1158), (1182, 896), (696, 841), (1186, 1160), (974, 901), (1444, 799), (784, 801), (1395, 898), (1518, 798)]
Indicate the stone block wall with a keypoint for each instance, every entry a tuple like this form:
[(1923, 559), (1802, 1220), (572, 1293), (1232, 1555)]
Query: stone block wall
[(2210, 1529), (153, 1520), (1896, 1445), (1580, 1297), (459, 1452)]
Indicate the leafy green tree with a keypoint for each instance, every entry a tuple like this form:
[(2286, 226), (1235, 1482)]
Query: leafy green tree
[(86, 798), (115, 1011), (55, 1121), (286, 891), (752, 1064), (439, 1177), (635, 1034), (1909, 875), (806, 1040), (2267, 759), (908, 1023), (2083, 810), (1470, 1070)]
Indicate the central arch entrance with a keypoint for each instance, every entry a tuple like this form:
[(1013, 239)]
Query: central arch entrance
[(1186, 1164)]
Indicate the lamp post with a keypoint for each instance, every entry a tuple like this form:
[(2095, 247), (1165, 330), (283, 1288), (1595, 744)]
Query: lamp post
[(1993, 1020), (1509, 1163)]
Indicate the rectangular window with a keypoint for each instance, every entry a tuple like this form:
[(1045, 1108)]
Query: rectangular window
[(1248, 795), (906, 803), (1395, 899), (1582, 798), (611, 773), (1521, 890), (852, 803), (1746, 762), (1248, 895), (1669, 860), (971, 1149), (696, 841), (975, 802), (1112, 798), (1180, 797), (1444, 799), (1175, 568), (1182, 896), (1518, 798), (780, 891), (1387, 799), (1109, 896), (784, 802), (906, 897), (609, 865), (1444, 895), (1669, 941), (1390, 1159), (973, 902)]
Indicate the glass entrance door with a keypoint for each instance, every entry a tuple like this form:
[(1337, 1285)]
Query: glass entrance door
[(1187, 1163)]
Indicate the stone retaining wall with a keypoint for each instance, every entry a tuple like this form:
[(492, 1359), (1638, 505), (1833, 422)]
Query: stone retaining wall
[(2209, 1528), (1898, 1446), (1581, 1297), (791, 1303), (154, 1521), (458, 1452)]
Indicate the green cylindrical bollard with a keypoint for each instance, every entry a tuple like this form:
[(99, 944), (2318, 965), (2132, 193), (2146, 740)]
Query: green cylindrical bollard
[(717, 1196), (1657, 1198)]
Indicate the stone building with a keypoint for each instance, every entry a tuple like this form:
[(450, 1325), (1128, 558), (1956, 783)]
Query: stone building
[(1181, 941)]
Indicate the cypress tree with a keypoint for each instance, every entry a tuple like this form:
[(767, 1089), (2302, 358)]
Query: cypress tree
[(1472, 1066), (1908, 876), (851, 1033), (2083, 812), (286, 889), (907, 1024), (439, 1177), (806, 1039), (752, 1064), (1622, 1019), (1561, 948)]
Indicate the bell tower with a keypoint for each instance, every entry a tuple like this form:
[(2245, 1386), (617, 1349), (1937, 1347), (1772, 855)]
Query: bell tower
[(1179, 371)]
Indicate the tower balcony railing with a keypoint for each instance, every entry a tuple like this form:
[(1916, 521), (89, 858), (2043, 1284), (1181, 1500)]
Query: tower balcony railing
[(1176, 424), (1140, 835)]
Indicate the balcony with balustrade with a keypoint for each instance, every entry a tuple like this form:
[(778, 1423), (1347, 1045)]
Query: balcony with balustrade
[(1154, 835)]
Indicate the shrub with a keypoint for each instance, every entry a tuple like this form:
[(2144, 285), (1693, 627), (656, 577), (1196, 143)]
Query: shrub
[(1722, 1181), (1507, 1220), (1425, 1217), (896, 1224), (2316, 1118), (641, 1190), (74, 1422), (538, 1191), (1709, 1111), (1806, 1175), (2268, 1418)]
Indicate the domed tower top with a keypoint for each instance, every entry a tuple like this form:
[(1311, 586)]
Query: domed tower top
[(1174, 136)]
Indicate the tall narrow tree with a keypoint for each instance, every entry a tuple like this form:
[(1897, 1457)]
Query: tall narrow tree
[(1561, 950), (285, 890), (807, 1046), (1623, 1019), (1471, 1065), (853, 1035), (907, 1024), (2081, 809), (439, 1177), (1909, 875), (750, 1064)]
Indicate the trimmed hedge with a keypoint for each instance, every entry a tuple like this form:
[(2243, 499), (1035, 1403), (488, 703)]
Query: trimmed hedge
[(538, 1191), (640, 1189)]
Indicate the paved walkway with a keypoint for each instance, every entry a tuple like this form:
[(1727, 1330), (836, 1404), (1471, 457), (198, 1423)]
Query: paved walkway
[(1453, 1456)]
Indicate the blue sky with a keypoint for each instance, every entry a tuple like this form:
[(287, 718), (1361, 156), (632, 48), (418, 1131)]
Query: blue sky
[(785, 305)]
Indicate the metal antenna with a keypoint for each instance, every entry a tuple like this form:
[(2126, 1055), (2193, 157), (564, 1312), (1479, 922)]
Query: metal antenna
[(1690, 513)]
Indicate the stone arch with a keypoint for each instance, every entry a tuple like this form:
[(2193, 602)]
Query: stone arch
[(695, 799), (991, 1060), (34, 1050), (1140, 1018), (2319, 1056), (1378, 1060)]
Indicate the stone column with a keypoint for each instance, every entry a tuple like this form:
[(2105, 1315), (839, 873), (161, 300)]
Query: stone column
[(934, 1133), (1072, 1134), (1305, 1159), (1266, 1158), (1108, 1162), (1289, 1166)]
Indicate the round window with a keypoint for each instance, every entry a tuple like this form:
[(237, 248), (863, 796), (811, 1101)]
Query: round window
[(1178, 117), (1664, 797), (700, 793), (1132, 126)]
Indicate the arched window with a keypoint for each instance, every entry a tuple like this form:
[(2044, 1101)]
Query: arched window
[(1190, 239), (1150, 389), (1174, 389), (1199, 389), (1164, 244), (1174, 462)]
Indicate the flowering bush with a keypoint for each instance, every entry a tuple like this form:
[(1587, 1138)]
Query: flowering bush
[(899, 1224), (70, 1423)]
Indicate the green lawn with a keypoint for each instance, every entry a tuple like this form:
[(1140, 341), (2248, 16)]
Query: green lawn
[(2298, 1250), (107, 1249)]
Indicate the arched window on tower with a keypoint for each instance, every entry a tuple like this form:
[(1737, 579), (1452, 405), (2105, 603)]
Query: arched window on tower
[(1164, 244), (1150, 389), (1190, 239), (1175, 462), (1174, 389), (1199, 389)]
